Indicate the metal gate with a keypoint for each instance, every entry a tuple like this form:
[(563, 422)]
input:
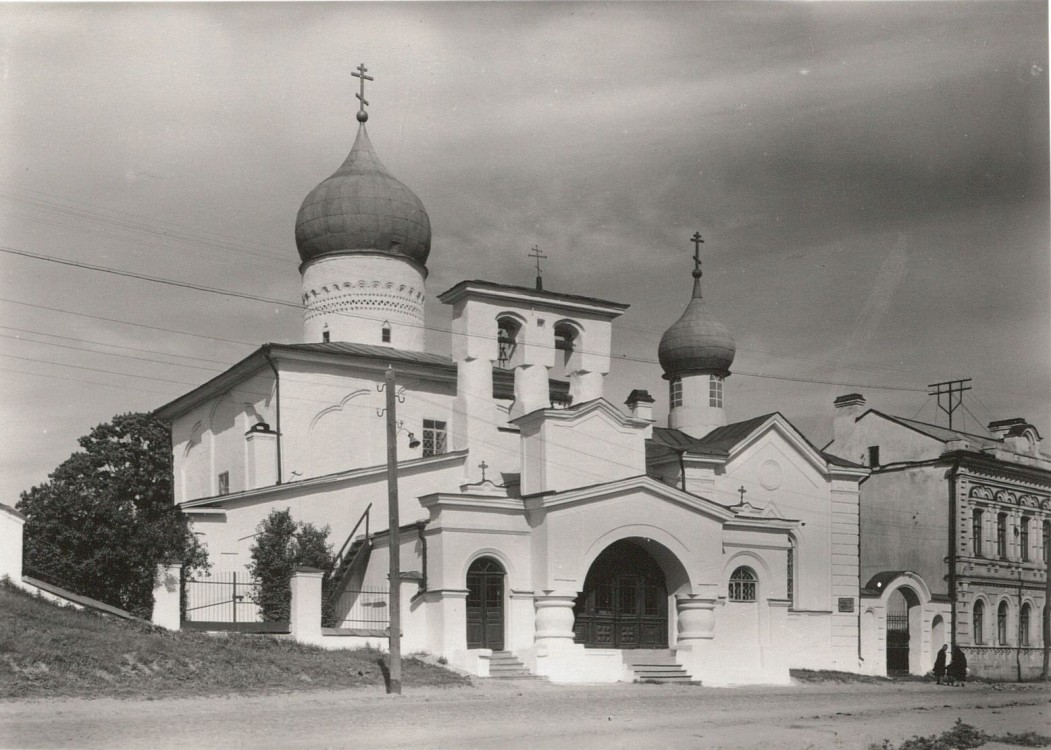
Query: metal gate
[(898, 635), (225, 600)]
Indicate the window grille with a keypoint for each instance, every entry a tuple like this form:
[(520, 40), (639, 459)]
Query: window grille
[(1001, 536), (434, 437), (715, 391), (976, 532), (742, 585), (1001, 624), (977, 623), (675, 392), (224, 483), (1023, 538)]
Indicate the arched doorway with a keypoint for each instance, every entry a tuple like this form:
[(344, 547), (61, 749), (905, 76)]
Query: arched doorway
[(485, 604), (898, 626), (624, 603)]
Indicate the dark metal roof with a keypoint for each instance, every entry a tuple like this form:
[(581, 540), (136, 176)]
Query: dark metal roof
[(942, 434), (370, 351), (722, 439), (879, 581), (837, 461), (363, 207)]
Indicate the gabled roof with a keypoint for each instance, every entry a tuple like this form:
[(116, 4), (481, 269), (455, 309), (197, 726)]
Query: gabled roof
[(941, 434), (722, 440), (440, 365)]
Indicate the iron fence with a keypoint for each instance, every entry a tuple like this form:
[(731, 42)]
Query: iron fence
[(365, 608), (223, 597)]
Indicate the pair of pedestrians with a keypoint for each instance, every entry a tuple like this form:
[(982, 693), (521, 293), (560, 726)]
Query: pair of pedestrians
[(955, 673)]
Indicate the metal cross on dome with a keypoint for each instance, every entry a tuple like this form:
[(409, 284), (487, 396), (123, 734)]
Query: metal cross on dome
[(697, 242), (360, 73)]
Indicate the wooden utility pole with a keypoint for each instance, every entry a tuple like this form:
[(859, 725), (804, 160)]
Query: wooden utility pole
[(393, 536)]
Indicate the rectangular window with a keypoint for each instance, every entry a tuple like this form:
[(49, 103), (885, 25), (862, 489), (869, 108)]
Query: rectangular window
[(434, 437), (873, 455), (385, 334), (675, 392), (224, 483), (325, 337), (976, 532), (1001, 536), (715, 391), (1023, 538)]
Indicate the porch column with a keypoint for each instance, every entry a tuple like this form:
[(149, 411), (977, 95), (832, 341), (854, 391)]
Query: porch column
[(554, 616), (696, 618)]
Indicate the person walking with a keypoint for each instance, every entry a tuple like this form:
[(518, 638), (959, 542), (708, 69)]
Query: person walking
[(957, 670), (939, 662)]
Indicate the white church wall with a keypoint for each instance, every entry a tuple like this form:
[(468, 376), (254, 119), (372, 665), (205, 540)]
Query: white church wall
[(330, 420), (564, 450), (210, 438), (338, 504)]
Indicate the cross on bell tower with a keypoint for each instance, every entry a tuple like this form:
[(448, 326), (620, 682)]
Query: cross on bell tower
[(538, 255), (360, 73)]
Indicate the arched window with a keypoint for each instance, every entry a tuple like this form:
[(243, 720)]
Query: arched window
[(978, 623), (976, 532), (1023, 625), (507, 341), (565, 341), (1001, 624), (742, 585), (1047, 541), (385, 333)]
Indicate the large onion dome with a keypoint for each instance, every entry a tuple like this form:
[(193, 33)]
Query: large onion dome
[(362, 207), (695, 343)]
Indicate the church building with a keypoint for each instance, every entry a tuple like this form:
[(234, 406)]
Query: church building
[(544, 521)]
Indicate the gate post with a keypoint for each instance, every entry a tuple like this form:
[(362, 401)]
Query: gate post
[(304, 620), (167, 596)]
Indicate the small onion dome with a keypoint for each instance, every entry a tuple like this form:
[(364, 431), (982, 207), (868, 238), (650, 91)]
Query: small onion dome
[(695, 343), (363, 207)]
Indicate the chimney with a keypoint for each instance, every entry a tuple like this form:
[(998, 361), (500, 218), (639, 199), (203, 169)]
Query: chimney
[(847, 409), (640, 405)]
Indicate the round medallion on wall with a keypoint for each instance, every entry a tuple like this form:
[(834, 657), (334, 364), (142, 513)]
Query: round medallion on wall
[(770, 474)]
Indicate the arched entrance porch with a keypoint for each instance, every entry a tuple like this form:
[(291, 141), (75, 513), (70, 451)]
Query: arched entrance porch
[(624, 602)]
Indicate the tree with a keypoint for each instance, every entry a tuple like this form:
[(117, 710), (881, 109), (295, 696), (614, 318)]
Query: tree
[(105, 518), (282, 545)]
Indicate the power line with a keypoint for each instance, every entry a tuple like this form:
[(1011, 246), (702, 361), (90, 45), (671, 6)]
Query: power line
[(95, 369), (127, 322), (103, 343), (110, 354), (85, 382)]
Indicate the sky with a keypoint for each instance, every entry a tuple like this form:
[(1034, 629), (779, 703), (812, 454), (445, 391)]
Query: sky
[(871, 180)]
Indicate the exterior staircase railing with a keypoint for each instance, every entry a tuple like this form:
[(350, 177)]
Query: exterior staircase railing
[(346, 561)]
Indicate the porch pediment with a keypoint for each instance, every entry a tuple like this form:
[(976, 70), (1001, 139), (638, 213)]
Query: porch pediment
[(643, 486)]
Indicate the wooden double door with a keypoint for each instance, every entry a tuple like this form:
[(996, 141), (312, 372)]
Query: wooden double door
[(624, 603), (485, 604)]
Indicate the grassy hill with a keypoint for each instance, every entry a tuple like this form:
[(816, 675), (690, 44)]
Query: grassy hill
[(48, 651)]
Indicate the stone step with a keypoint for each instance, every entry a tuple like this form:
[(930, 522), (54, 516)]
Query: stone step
[(503, 665)]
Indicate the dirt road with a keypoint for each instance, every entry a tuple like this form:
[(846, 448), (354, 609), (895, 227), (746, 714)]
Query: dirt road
[(508, 715)]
